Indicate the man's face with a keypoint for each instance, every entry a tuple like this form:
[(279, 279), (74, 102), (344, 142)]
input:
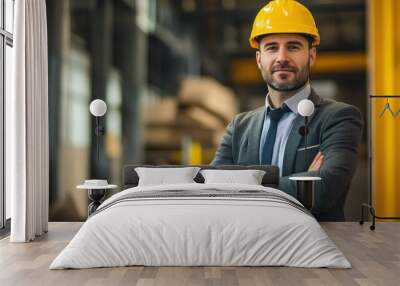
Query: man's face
[(285, 60)]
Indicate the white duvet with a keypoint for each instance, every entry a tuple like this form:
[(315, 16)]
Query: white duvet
[(185, 231)]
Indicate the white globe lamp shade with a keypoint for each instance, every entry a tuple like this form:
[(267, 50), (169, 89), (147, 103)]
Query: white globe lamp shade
[(305, 107), (98, 107)]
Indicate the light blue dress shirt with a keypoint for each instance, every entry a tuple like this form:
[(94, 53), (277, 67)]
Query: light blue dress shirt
[(284, 126)]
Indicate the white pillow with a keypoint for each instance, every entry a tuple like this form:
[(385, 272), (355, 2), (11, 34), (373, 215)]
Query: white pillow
[(163, 176), (248, 177)]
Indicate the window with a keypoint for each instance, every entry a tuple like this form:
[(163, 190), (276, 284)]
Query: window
[(6, 64)]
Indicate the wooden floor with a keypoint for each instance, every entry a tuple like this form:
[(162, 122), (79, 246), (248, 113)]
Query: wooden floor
[(374, 255)]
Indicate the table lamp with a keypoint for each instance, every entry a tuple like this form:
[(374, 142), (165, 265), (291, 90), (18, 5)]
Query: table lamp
[(98, 108), (305, 185)]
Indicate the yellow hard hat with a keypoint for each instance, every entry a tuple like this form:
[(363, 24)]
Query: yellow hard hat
[(283, 16)]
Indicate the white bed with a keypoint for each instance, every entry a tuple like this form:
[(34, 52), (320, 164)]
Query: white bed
[(269, 229)]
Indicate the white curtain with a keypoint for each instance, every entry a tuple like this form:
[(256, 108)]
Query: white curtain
[(27, 124)]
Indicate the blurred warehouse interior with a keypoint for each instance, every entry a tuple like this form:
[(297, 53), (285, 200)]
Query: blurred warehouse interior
[(173, 74)]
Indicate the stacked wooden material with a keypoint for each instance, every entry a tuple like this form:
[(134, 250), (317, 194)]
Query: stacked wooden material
[(199, 113), (160, 123), (213, 104)]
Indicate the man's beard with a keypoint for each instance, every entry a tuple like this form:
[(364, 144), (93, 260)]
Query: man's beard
[(299, 81)]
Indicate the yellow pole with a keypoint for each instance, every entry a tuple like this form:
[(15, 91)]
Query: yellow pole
[(384, 73), (195, 154)]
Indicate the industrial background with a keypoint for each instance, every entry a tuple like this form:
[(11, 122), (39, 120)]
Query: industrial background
[(175, 72)]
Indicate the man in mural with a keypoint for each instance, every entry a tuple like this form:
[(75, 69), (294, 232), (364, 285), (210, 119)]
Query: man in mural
[(285, 37)]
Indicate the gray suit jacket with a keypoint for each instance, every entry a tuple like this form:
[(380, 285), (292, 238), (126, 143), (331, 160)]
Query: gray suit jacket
[(335, 128)]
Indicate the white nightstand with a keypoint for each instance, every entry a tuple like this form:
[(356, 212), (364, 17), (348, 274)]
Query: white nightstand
[(305, 190), (96, 194)]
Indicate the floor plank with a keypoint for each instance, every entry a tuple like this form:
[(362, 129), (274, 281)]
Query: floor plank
[(374, 255)]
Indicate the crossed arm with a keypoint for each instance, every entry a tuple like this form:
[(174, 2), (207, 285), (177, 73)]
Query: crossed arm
[(336, 162)]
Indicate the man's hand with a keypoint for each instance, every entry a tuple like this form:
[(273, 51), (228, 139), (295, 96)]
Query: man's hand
[(317, 162)]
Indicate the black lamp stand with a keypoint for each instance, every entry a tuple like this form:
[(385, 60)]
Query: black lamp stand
[(305, 188), (99, 131)]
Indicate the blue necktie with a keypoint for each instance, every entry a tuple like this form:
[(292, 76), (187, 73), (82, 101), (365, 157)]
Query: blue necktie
[(275, 115)]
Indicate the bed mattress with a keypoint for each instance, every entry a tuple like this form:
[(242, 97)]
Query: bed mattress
[(201, 225)]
